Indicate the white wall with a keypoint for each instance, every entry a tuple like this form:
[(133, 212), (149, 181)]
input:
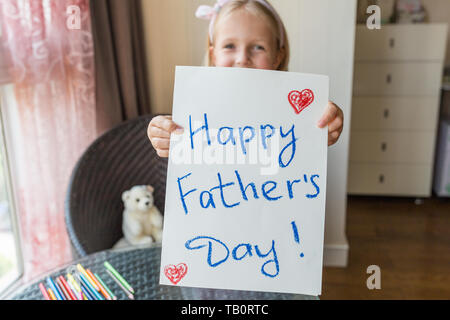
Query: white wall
[(173, 36), (439, 11), (321, 35)]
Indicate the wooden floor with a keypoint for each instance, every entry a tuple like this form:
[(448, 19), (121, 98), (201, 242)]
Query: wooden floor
[(410, 243)]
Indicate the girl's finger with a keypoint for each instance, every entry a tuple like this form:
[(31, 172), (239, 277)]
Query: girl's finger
[(158, 133), (161, 143), (329, 115), (333, 137), (336, 125), (163, 153), (164, 123), (170, 126)]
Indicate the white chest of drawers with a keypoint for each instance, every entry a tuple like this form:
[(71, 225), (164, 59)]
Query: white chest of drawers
[(396, 90)]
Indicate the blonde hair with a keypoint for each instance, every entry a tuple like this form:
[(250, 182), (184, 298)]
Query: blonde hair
[(259, 10)]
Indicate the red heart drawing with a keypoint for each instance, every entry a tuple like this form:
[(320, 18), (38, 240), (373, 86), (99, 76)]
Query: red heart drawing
[(175, 273), (300, 100)]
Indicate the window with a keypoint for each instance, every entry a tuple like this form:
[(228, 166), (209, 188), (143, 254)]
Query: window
[(10, 257), (11, 266)]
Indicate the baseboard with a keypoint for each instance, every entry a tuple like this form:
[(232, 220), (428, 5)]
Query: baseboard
[(336, 255)]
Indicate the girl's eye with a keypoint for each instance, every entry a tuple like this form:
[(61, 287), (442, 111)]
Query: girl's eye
[(257, 47), (229, 46)]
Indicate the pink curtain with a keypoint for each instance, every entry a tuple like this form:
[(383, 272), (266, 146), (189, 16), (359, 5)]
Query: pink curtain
[(52, 63)]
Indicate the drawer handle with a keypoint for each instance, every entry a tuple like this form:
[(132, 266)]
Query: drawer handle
[(386, 113), (381, 178), (389, 78), (392, 42), (383, 146)]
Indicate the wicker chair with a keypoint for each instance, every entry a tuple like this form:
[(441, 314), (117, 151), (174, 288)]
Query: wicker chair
[(116, 161)]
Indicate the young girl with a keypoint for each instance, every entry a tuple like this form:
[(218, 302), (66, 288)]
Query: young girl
[(244, 34)]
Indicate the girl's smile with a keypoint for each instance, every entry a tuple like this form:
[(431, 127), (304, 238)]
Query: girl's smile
[(246, 41)]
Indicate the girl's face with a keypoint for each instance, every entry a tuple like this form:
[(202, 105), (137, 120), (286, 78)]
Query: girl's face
[(243, 40)]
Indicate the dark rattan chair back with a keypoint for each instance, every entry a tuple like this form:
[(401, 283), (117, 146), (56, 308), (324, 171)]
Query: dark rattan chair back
[(119, 159)]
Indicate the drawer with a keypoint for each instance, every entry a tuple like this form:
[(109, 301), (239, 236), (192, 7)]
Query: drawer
[(410, 42), (394, 180), (397, 78), (394, 113), (413, 147)]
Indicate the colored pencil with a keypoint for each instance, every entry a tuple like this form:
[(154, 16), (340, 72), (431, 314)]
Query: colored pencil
[(86, 292), (91, 288), (63, 290), (84, 289), (100, 287), (51, 294), (130, 295), (75, 285), (58, 286), (44, 291), (66, 286), (118, 276), (86, 275), (55, 290), (105, 286), (102, 290), (74, 291), (78, 293)]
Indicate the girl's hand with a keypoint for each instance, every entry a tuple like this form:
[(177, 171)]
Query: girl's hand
[(334, 118), (159, 130)]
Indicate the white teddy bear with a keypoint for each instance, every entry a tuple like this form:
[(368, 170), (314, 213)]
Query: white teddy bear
[(142, 222)]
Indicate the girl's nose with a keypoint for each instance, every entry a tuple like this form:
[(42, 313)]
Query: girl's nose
[(242, 59)]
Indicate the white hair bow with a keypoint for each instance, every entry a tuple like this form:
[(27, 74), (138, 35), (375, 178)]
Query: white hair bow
[(208, 12)]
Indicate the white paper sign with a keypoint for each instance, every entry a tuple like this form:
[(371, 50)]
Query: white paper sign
[(246, 182)]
